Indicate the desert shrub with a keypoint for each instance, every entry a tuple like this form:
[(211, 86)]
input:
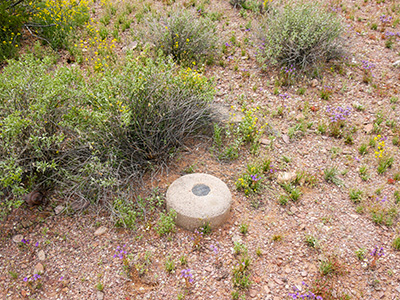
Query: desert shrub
[(33, 133), (183, 36), (49, 21), (11, 20), (163, 105), (237, 3), (302, 35), (53, 21), (91, 138)]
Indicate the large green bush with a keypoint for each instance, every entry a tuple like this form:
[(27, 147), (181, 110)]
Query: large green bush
[(89, 138), (33, 133), (53, 21), (50, 21), (185, 37), (11, 21), (302, 35)]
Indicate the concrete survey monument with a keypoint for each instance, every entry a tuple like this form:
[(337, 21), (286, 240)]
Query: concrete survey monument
[(199, 198)]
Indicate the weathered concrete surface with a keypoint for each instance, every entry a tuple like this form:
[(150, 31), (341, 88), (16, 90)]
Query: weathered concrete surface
[(199, 198)]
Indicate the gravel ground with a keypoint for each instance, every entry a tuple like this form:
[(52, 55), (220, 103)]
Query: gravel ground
[(77, 263)]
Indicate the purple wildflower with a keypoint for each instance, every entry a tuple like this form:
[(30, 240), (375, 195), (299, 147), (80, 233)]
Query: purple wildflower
[(36, 277), (214, 248), (186, 273), (25, 241), (385, 19), (367, 65), (377, 253), (284, 96), (120, 252), (338, 114)]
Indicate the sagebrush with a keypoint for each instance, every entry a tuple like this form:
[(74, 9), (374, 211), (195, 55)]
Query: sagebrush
[(188, 39), (300, 35)]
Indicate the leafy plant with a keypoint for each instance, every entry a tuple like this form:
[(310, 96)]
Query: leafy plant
[(251, 181), (99, 286), (58, 129), (166, 223), (11, 21), (360, 253), (53, 22)]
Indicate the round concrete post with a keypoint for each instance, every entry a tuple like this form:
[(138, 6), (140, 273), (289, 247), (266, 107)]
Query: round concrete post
[(198, 199)]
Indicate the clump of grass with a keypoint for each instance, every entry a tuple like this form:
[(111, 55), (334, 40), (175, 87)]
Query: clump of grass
[(355, 195), (396, 195), (364, 173), (360, 253), (283, 199), (396, 243), (330, 176), (244, 228), (169, 265), (241, 269), (363, 149), (183, 36), (311, 241), (302, 35), (237, 3), (183, 260), (382, 215), (277, 238), (239, 248), (326, 267), (384, 163), (331, 265)]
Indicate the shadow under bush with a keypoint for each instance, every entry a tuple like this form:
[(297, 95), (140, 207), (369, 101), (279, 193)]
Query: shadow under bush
[(91, 139), (300, 35)]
